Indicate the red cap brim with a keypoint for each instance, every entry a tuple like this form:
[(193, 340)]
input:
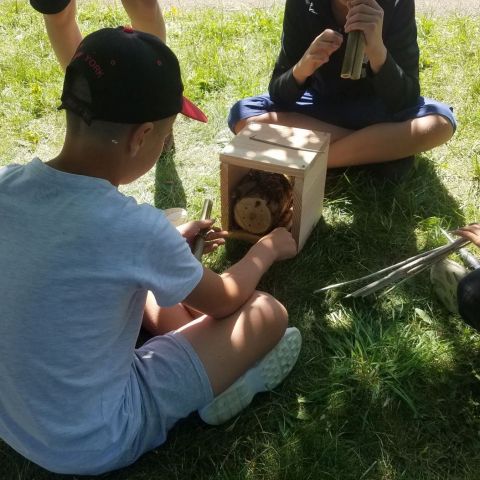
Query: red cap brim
[(190, 110)]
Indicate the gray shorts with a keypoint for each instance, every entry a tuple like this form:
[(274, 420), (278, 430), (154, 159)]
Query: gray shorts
[(169, 383)]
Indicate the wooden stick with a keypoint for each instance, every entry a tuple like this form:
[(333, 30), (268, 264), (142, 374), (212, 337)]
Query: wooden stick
[(379, 272), (244, 236), (410, 269), (200, 239), (395, 278), (350, 51), (358, 59)]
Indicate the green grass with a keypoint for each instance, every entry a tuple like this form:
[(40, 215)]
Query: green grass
[(385, 388)]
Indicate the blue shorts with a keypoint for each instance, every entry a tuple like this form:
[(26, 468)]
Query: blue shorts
[(347, 113)]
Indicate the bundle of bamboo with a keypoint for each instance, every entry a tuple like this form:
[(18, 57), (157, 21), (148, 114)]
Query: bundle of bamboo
[(400, 272), (354, 53)]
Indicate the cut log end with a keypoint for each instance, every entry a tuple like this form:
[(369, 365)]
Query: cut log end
[(253, 215), (262, 201)]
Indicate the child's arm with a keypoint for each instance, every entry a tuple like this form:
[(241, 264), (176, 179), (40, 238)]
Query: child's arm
[(221, 295)]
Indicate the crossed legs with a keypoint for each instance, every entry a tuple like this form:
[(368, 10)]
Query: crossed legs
[(374, 144), (227, 347), (65, 35)]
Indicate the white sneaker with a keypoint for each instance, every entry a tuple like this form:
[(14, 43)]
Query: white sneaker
[(445, 276), (265, 375)]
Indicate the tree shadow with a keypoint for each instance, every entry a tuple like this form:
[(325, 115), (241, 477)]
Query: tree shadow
[(169, 190)]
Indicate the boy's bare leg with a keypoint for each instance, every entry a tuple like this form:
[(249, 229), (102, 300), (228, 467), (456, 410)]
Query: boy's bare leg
[(160, 320), (63, 32), (378, 143), (292, 119), (146, 16), (390, 141), (228, 347)]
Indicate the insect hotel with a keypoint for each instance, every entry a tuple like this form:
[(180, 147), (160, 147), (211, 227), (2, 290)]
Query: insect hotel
[(272, 176)]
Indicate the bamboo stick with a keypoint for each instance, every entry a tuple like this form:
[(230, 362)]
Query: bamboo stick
[(376, 274), (410, 269), (358, 59), (350, 51), (200, 239)]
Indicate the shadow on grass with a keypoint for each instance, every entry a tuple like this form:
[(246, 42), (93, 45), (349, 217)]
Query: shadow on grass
[(390, 372), (169, 190)]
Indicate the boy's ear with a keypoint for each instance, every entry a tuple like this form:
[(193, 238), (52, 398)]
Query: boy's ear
[(137, 137)]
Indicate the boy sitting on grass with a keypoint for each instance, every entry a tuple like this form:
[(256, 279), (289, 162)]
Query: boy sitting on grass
[(83, 267), (379, 120)]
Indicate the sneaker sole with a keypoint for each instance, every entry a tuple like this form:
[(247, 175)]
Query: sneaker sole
[(445, 276), (273, 368)]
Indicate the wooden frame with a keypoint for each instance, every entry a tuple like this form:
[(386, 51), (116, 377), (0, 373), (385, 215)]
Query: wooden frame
[(298, 153)]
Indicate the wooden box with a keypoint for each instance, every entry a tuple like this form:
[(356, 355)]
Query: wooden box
[(297, 153)]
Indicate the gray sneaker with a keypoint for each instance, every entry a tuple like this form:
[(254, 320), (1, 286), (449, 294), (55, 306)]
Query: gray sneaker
[(445, 276), (265, 375)]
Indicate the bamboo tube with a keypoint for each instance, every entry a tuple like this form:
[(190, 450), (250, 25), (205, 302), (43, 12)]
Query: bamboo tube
[(200, 239), (410, 269), (378, 273), (358, 59), (350, 50)]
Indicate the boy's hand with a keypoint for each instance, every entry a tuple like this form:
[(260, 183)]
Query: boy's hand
[(317, 54), (471, 232), (367, 16), (281, 242), (213, 239)]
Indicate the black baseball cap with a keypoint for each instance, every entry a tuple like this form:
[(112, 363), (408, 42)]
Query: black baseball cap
[(122, 75)]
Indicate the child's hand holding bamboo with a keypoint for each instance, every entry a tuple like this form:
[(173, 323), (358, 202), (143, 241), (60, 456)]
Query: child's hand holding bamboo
[(470, 232), (366, 16)]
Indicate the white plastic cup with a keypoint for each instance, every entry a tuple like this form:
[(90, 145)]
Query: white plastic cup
[(176, 216)]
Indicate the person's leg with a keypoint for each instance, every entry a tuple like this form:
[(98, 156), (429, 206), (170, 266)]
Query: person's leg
[(160, 320), (237, 341), (363, 133), (373, 144), (229, 346), (468, 295), (237, 356), (62, 29), (294, 119), (390, 141), (146, 16)]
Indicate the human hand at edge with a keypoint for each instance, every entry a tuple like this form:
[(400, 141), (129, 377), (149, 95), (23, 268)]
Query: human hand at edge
[(281, 242), (213, 239), (317, 54), (470, 232), (367, 16)]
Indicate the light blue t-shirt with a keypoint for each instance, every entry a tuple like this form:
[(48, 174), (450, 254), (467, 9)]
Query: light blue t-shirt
[(77, 258)]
